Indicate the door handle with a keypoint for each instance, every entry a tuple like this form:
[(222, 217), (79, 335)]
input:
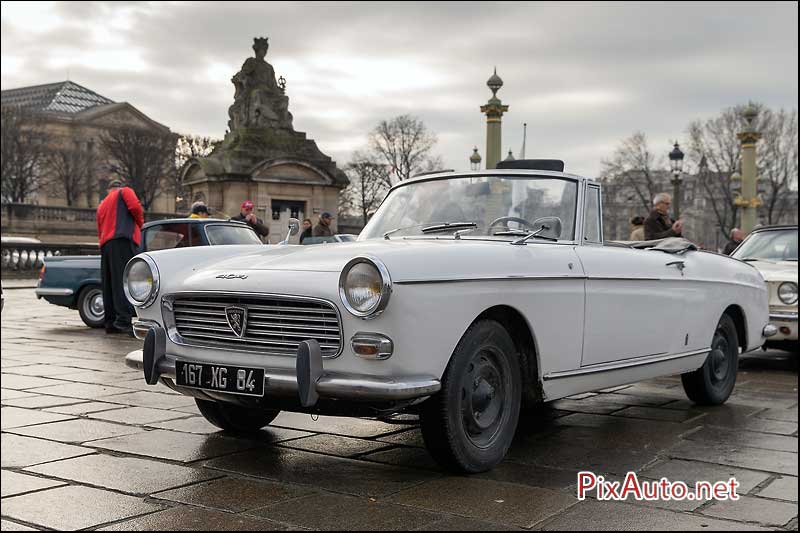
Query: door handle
[(680, 265)]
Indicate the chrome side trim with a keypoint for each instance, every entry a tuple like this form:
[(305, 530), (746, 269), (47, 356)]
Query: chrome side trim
[(141, 327), (170, 325), (609, 367), (282, 382), (787, 316), (54, 292)]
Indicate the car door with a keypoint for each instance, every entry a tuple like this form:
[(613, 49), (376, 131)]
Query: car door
[(632, 306)]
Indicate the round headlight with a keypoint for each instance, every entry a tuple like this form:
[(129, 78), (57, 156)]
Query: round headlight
[(787, 292), (365, 286), (140, 281)]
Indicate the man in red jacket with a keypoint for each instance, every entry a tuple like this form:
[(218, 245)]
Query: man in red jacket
[(119, 226)]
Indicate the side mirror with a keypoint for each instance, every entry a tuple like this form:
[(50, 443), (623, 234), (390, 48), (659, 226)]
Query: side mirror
[(552, 226), (294, 229)]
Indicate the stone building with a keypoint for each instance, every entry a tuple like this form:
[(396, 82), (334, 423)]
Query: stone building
[(262, 158), (73, 115)]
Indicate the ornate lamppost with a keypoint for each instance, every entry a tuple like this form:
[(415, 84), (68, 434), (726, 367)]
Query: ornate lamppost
[(475, 159), (676, 163)]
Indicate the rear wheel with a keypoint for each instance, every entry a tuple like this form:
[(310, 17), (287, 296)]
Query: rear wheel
[(469, 424), (712, 383), (90, 306), (235, 418)]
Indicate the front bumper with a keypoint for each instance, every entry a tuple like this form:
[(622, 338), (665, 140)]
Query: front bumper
[(786, 323), (330, 385)]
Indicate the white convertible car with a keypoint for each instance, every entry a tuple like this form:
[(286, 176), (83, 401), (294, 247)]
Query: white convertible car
[(466, 296)]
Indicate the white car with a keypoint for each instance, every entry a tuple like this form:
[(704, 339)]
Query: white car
[(773, 251), (466, 295)]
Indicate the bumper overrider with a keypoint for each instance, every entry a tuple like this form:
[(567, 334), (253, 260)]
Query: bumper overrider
[(308, 382)]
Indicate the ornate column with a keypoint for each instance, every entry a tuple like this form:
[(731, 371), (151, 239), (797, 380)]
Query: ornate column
[(494, 110), (749, 200)]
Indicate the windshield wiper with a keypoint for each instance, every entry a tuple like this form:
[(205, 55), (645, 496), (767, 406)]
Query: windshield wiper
[(447, 226), (530, 235)]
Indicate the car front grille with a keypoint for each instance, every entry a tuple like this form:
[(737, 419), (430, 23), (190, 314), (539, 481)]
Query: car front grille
[(275, 325)]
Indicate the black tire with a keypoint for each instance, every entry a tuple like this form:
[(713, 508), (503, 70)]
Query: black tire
[(469, 424), (90, 306), (234, 418), (712, 383)]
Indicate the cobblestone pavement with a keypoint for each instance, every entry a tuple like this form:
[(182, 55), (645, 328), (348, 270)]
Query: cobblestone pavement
[(86, 444)]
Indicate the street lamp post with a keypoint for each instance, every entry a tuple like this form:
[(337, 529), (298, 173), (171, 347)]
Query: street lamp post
[(676, 162), (475, 159)]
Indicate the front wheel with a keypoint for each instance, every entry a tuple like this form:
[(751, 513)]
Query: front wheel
[(234, 418), (712, 383), (469, 424), (90, 306)]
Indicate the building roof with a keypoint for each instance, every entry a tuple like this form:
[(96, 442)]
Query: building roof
[(62, 97)]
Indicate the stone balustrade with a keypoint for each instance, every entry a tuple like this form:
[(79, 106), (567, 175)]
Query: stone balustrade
[(23, 260)]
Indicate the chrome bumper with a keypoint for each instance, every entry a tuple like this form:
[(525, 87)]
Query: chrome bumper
[(783, 316), (53, 292), (283, 382)]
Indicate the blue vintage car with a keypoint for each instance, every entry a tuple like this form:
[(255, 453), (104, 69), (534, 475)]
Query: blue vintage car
[(74, 281)]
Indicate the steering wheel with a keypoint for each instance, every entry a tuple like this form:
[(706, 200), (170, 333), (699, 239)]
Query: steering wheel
[(506, 220)]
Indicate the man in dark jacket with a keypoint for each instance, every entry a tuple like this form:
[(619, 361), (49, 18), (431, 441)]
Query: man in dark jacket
[(658, 225), (119, 226), (247, 216), (737, 236), (323, 228)]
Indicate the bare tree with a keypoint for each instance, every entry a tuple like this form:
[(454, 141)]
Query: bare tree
[(24, 147), (777, 161), (70, 170), (145, 160), (715, 138), (634, 166), (188, 147), (404, 144), (368, 186)]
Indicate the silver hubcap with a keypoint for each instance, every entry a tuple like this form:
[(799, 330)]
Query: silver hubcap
[(93, 305)]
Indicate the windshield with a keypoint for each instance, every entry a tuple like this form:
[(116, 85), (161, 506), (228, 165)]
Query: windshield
[(772, 245), (222, 234), (476, 206)]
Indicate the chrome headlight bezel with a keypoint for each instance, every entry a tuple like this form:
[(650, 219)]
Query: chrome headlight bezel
[(385, 282), (154, 288), (790, 285)]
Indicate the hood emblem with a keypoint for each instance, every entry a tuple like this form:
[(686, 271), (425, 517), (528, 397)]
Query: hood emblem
[(232, 276), (237, 319)]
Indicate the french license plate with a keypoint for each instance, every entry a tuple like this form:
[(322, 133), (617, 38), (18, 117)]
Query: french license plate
[(221, 378)]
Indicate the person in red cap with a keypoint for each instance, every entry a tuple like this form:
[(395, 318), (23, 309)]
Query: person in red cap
[(247, 216)]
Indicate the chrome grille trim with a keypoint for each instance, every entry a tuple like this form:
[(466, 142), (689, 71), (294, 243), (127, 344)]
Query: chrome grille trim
[(276, 323)]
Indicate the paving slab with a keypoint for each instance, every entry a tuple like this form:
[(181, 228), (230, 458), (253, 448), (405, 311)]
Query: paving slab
[(19, 451), (335, 445), (15, 417), (77, 430), (691, 472), (7, 525), (124, 474), (753, 509), (783, 488), (194, 519), (347, 427), (336, 474), (70, 508), (234, 495), (175, 446), (12, 483), (336, 512), (740, 437), (135, 415), (731, 455), (482, 499)]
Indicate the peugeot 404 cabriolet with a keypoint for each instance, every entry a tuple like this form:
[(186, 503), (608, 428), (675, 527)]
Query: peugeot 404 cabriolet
[(467, 296)]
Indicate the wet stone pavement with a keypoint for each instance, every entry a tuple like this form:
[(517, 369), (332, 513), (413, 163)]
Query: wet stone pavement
[(86, 444)]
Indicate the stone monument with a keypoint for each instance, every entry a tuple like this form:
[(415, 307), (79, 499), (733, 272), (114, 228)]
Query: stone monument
[(262, 158)]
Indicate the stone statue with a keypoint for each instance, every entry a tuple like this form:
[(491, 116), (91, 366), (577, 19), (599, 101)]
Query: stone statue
[(258, 100)]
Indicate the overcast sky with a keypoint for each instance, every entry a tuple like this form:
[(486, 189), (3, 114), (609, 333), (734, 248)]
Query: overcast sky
[(583, 76)]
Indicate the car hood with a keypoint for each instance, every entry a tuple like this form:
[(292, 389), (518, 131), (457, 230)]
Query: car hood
[(406, 259), (777, 271)]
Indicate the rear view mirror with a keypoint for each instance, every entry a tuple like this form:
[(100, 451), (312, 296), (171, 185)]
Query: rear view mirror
[(551, 225), (294, 229)]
